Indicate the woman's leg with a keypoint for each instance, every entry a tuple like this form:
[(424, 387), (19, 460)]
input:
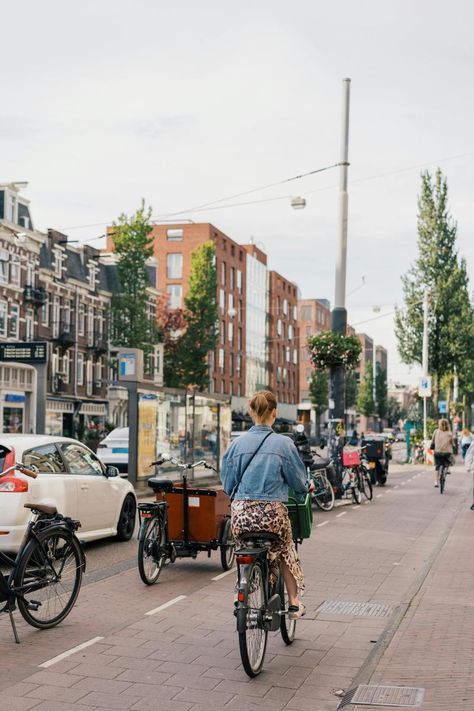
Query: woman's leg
[(290, 583)]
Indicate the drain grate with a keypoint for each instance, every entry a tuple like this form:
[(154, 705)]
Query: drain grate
[(342, 607), (374, 695)]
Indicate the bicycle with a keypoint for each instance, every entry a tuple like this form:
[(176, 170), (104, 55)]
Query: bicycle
[(443, 471), (157, 548), (46, 573), (260, 607), (363, 480), (350, 483), (323, 494)]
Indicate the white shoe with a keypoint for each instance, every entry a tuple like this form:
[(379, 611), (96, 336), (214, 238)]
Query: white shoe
[(294, 612)]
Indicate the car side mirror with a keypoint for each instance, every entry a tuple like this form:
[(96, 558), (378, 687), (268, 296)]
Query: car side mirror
[(111, 472)]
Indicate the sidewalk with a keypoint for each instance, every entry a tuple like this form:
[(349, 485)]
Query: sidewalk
[(418, 631)]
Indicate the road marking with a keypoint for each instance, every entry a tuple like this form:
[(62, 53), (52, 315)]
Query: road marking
[(324, 523), (366, 502), (222, 575), (389, 491), (378, 496), (341, 514), (396, 563), (68, 653), (165, 605), (403, 483), (396, 487)]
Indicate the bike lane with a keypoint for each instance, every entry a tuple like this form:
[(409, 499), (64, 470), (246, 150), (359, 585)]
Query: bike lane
[(185, 655)]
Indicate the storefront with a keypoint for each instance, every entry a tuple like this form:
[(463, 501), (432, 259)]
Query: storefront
[(17, 398), (76, 418)]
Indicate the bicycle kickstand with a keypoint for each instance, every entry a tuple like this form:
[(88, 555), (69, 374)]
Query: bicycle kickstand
[(15, 633)]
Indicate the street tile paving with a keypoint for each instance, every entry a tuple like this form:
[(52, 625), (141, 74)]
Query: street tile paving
[(410, 551)]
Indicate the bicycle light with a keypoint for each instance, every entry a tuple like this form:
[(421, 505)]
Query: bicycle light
[(245, 559)]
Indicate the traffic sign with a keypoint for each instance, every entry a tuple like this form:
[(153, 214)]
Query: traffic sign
[(29, 352), (442, 407), (424, 386)]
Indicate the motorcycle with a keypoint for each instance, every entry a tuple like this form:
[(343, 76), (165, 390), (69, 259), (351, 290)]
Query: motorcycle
[(377, 453)]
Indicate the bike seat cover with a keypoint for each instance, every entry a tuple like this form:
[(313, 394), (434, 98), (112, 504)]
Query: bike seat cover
[(258, 536), (43, 508), (160, 484), (320, 464)]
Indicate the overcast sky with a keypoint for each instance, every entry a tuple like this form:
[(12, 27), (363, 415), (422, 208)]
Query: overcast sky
[(105, 102)]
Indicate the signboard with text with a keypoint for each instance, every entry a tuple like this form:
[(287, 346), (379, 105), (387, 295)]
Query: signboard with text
[(29, 352), (424, 387)]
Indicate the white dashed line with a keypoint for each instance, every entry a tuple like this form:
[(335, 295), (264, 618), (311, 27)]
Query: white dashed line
[(222, 575), (378, 496), (165, 605), (324, 523), (403, 483), (396, 487), (366, 502), (341, 514), (68, 653)]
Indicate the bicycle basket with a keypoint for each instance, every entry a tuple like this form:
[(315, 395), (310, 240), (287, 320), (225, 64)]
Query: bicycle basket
[(300, 513), (350, 457)]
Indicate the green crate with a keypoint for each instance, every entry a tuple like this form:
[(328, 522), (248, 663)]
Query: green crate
[(300, 513)]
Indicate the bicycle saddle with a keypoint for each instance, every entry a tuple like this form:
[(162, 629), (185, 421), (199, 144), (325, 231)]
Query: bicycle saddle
[(160, 484), (259, 536), (321, 464), (42, 508)]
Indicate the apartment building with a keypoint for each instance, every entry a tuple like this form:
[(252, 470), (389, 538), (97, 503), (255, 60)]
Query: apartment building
[(283, 341), (51, 291), (314, 316)]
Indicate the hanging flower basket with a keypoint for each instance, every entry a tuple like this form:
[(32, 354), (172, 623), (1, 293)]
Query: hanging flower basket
[(329, 349)]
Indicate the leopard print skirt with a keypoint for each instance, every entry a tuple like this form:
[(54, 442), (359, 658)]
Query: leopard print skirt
[(269, 516)]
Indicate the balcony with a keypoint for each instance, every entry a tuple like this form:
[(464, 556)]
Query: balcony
[(34, 295), (98, 342), (65, 334)]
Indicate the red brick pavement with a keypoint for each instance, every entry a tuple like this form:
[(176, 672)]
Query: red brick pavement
[(185, 658)]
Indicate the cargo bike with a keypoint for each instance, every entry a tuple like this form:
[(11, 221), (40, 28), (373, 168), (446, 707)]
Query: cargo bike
[(182, 522)]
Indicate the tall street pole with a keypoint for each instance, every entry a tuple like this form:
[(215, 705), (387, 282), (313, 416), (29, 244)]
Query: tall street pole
[(424, 359), (339, 313)]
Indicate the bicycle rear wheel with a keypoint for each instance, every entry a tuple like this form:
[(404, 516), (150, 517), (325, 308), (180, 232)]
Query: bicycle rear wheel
[(367, 484), (151, 556), (323, 493), (49, 578), (287, 626), (442, 479), (253, 641)]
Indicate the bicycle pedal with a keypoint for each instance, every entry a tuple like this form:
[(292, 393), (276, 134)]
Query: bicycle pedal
[(33, 605)]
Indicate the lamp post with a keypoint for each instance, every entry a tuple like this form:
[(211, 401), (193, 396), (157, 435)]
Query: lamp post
[(339, 313)]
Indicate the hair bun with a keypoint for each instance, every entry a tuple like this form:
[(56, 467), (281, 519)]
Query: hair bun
[(262, 403)]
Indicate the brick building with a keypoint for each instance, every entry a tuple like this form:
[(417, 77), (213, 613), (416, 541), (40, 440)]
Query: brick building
[(314, 316), (283, 338)]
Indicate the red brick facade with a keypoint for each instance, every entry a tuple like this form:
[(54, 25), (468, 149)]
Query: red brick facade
[(283, 338)]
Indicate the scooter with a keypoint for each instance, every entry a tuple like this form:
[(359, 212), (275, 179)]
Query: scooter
[(377, 456)]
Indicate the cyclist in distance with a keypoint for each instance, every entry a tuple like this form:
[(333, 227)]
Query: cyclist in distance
[(257, 470), (442, 444)]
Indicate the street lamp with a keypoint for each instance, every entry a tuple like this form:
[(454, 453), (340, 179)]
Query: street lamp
[(298, 203)]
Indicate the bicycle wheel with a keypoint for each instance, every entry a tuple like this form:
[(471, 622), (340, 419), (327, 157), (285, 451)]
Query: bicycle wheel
[(323, 494), (356, 495), (253, 641), (49, 577), (151, 556), (442, 479), (227, 547), (287, 626), (367, 484)]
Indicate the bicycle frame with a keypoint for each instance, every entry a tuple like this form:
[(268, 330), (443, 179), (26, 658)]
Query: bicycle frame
[(269, 618)]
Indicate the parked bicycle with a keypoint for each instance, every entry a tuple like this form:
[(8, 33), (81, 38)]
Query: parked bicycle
[(46, 573), (260, 607), (323, 494), (182, 522)]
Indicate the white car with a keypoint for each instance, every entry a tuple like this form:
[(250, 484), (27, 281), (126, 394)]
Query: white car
[(113, 449), (71, 478)]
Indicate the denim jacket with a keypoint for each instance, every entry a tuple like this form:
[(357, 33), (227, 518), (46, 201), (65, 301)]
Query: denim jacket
[(275, 467)]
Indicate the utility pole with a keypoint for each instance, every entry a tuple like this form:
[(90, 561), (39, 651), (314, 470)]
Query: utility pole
[(424, 359), (339, 313)]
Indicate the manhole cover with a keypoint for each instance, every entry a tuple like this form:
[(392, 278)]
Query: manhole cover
[(342, 607), (374, 695)]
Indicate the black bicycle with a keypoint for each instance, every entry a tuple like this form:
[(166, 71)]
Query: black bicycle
[(443, 470), (199, 521), (260, 607), (46, 574)]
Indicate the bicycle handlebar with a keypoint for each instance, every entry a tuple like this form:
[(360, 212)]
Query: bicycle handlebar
[(21, 468), (182, 465)]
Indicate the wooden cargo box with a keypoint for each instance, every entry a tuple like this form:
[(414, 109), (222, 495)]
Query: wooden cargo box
[(207, 509)]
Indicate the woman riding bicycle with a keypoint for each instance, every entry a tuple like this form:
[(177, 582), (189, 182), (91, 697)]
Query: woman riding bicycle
[(257, 470), (442, 444)]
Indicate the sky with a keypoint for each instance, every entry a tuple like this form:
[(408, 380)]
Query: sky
[(106, 102)]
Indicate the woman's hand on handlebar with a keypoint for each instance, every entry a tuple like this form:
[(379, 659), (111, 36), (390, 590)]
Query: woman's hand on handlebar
[(311, 486)]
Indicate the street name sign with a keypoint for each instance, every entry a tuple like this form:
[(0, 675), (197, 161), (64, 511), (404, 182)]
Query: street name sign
[(29, 352), (424, 386)]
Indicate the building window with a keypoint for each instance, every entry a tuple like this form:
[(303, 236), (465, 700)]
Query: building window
[(223, 273), (29, 324), (30, 274), (4, 257), (89, 376), (306, 313), (221, 360), (15, 270), (279, 327), (239, 339), (174, 235), (81, 320), (239, 281), (80, 369), (11, 208), (45, 311), (232, 278), (174, 266), (285, 307), (231, 305), (65, 368), (92, 277), (67, 316), (222, 300), (231, 364), (14, 321), (3, 318), (90, 326), (295, 313), (231, 332), (295, 356), (174, 292), (222, 332), (288, 354), (58, 263), (238, 364)]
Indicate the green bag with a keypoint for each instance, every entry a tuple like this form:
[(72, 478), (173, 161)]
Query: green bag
[(300, 513)]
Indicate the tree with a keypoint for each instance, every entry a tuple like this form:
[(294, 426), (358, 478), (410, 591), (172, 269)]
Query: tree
[(365, 401), (394, 412), (381, 391), (319, 395), (439, 270), (187, 363), (131, 326), (351, 389)]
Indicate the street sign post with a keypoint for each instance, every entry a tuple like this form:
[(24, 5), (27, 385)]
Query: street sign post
[(424, 386), (442, 407)]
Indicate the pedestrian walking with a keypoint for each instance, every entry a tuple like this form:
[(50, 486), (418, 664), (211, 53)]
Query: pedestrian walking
[(469, 464), (442, 445), (466, 440), (257, 470)]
